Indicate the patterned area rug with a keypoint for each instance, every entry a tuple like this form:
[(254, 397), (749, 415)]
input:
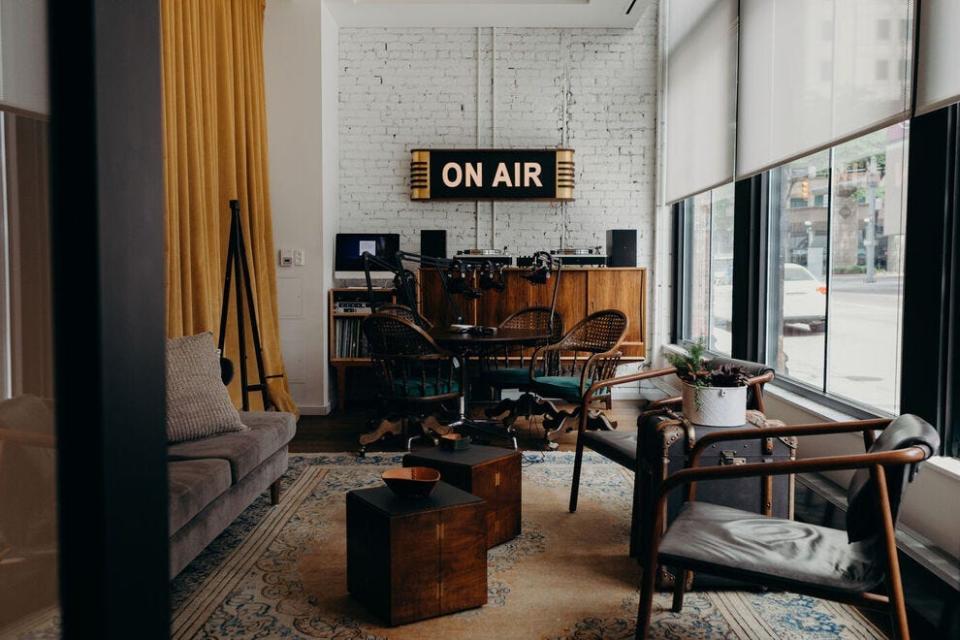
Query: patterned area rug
[(280, 572)]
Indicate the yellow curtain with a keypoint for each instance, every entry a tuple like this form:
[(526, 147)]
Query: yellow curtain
[(215, 150)]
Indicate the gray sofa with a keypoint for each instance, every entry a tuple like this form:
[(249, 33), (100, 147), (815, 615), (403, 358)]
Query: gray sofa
[(214, 479)]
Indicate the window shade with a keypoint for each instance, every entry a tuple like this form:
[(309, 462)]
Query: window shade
[(816, 72), (938, 73), (23, 55), (700, 100)]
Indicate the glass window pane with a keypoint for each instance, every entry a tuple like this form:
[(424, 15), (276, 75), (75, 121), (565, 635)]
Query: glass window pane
[(28, 502), (697, 295), (797, 301), (866, 280), (721, 269)]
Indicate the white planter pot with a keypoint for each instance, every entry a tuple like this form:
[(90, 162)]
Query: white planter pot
[(718, 406)]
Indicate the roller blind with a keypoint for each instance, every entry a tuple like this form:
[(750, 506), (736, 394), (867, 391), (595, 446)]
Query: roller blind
[(814, 73), (23, 55), (938, 69), (700, 95)]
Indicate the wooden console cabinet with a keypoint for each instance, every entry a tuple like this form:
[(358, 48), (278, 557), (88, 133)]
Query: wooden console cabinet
[(583, 290), (347, 348)]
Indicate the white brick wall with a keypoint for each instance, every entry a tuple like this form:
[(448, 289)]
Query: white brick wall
[(406, 88)]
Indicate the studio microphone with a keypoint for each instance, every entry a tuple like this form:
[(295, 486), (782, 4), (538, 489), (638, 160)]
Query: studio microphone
[(540, 267), (491, 277)]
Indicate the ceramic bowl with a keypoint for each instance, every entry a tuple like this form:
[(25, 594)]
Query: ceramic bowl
[(411, 482)]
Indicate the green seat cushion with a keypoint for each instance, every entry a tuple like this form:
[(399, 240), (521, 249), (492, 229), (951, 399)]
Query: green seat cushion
[(507, 377), (563, 387), (412, 388)]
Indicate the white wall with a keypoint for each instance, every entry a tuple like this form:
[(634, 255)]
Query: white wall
[(403, 88), (296, 32)]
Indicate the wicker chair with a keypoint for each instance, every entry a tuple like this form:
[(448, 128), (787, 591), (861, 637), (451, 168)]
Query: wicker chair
[(405, 312), (587, 354), (509, 367), (414, 377)]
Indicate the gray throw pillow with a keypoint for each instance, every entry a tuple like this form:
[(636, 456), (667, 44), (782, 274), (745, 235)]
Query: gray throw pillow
[(198, 404)]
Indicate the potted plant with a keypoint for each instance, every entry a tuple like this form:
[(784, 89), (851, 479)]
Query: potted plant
[(712, 396)]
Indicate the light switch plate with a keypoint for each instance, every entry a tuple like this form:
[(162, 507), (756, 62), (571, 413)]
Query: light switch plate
[(286, 257)]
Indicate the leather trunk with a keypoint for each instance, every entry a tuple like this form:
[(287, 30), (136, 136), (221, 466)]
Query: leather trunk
[(665, 442)]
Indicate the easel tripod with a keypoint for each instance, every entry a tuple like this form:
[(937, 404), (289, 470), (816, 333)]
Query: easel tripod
[(238, 270)]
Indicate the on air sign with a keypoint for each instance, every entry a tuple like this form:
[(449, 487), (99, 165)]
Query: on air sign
[(491, 174)]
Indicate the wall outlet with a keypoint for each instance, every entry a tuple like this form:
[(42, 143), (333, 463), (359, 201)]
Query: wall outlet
[(298, 257)]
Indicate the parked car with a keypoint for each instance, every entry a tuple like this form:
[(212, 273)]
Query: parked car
[(804, 299)]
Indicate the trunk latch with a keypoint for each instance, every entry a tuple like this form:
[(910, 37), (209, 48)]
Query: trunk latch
[(730, 457)]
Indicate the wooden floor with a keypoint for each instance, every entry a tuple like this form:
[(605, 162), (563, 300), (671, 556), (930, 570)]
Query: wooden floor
[(340, 430)]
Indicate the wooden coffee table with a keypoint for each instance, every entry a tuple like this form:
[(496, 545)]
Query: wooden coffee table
[(410, 559), (490, 473)]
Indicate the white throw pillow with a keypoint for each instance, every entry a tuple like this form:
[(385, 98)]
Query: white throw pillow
[(198, 404)]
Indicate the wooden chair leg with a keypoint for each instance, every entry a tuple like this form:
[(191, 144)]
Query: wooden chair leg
[(635, 519), (275, 493), (647, 588), (898, 606), (577, 464), (648, 583), (679, 588)]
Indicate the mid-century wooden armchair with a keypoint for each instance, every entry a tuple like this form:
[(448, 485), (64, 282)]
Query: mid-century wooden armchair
[(621, 447), (415, 377), (587, 354), (858, 566)]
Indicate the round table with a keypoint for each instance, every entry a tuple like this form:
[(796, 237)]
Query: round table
[(465, 344)]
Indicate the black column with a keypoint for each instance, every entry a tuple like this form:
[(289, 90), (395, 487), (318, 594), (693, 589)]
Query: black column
[(677, 324), (750, 268), (108, 273), (928, 368)]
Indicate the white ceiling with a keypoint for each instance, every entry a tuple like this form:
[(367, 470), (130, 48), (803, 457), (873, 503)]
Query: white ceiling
[(487, 13)]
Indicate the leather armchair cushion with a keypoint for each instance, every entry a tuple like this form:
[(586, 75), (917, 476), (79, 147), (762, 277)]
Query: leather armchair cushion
[(863, 516), (614, 445), (769, 551), (563, 387), (752, 369)]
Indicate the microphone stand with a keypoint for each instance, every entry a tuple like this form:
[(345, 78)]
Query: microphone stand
[(403, 278)]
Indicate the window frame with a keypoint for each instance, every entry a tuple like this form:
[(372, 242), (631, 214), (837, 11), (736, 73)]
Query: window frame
[(930, 358), (683, 224)]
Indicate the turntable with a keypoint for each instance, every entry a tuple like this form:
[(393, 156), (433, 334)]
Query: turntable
[(573, 257), (496, 256)]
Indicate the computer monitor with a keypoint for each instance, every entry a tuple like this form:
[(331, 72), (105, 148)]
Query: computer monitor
[(350, 247)]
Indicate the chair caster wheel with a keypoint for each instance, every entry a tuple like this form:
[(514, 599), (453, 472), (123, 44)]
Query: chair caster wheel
[(362, 453)]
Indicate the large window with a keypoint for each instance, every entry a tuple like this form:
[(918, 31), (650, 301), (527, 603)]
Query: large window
[(708, 268), (834, 302)]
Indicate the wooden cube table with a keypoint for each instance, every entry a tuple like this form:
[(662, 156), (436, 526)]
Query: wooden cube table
[(410, 559), (490, 473)]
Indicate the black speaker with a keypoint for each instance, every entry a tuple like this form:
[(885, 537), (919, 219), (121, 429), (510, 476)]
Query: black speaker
[(433, 243), (622, 248)]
